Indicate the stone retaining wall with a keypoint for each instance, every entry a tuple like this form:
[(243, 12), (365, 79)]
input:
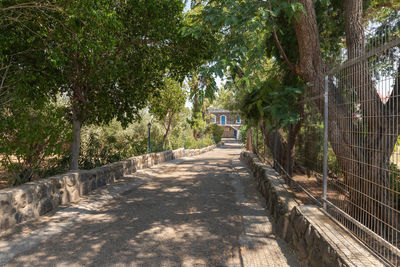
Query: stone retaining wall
[(34, 199), (303, 226)]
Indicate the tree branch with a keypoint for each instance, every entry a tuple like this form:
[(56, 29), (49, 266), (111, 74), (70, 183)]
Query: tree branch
[(4, 76), (29, 5), (278, 44), (283, 54)]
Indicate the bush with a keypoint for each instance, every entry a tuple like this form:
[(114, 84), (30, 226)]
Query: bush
[(216, 132), (32, 138), (109, 143), (243, 134), (192, 143), (105, 144)]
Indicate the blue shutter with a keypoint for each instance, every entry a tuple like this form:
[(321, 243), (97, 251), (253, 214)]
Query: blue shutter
[(222, 120)]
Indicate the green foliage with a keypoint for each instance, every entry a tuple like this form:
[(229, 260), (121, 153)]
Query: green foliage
[(107, 57), (243, 133), (111, 142), (198, 121), (246, 53), (192, 143), (22, 49), (241, 29), (394, 177), (272, 103), (32, 137), (99, 152), (309, 143), (225, 99), (395, 181), (198, 124), (181, 129), (168, 101), (89, 50), (215, 131), (166, 105)]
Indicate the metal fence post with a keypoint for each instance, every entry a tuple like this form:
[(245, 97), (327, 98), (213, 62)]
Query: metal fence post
[(325, 166)]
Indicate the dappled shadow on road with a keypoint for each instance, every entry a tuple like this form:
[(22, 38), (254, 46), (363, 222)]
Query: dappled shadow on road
[(184, 215)]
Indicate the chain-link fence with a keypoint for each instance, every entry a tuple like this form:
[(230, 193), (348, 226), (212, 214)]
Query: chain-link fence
[(343, 154)]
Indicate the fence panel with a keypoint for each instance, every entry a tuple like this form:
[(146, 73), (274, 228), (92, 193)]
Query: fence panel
[(364, 195), (362, 163)]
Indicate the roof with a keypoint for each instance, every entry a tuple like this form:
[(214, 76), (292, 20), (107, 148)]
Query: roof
[(219, 110)]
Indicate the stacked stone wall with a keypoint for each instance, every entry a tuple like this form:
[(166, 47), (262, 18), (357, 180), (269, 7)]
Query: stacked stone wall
[(229, 132), (34, 199), (296, 223), (230, 118)]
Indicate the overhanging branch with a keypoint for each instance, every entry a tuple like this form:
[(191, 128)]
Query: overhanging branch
[(278, 44), (283, 54)]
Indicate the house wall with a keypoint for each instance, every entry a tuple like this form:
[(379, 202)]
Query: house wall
[(230, 118), (228, 132)]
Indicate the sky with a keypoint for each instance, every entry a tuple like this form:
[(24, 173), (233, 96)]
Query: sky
[(187, 6)]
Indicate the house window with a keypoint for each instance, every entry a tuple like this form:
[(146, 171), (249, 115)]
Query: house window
[(213, 119), (223, 120), (238, 119)]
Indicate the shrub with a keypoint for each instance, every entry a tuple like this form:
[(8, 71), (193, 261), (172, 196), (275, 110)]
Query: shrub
[(243, 134), (192, 143), (216, 132), (110, 143), (32, 137)]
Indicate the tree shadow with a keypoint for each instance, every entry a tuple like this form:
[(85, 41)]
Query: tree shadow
[(185, 216)]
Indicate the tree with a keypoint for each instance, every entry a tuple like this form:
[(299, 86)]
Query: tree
[(22, 49), (309, 33), (166, 104), (216, 132), (224, 99), (197, 85), (376, 115), (244, 54), (106, 57), (29, 134)]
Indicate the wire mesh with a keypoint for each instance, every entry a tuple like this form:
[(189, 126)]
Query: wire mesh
[(364, 106), (363, 153)]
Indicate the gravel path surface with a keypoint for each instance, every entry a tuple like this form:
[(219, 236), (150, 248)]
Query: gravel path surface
[(200, 211)]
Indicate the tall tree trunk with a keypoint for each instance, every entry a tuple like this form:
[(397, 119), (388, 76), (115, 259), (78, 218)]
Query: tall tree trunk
[(283, 149), (196, 106), (363, 153), (249, 141), (167, 128), (76, 143)]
